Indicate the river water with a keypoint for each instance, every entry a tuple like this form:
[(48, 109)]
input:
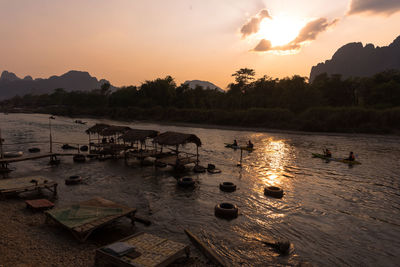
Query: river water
[(333, 214)]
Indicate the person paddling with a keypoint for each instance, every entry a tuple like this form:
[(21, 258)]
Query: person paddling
[(351, 157), (327, 153), (250, 144), (235, 143)]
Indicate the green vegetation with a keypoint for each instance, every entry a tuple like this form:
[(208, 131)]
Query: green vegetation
[(330, 103)]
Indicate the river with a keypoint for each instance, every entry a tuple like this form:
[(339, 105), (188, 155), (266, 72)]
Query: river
[(333, 214)]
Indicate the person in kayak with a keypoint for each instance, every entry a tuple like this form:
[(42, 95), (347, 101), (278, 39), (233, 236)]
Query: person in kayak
[(235, 143), (250, 144), (351, 157), (327, 153)]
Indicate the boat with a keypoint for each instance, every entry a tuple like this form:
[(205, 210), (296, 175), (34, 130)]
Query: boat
[(13, 154), (67, 146), (231, 146), (80, 122), (343, 160), (239, 147)]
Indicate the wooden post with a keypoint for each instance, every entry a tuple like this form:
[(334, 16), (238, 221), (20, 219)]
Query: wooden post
[(241, 157), (90, 147), (1, 146), (197, 155), (51, 140)]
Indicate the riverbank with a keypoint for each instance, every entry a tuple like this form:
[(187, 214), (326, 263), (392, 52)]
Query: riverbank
[(315, 121), (26, 240)]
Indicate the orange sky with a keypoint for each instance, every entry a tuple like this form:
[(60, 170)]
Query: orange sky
[(128, 42)]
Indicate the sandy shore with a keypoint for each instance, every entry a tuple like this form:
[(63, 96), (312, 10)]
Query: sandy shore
[(26, 240)]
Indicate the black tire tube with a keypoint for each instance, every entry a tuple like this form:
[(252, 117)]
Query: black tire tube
[(186, 182), (199, 169), (226, 211), (227, 187), (273, 191), (75, 179), (79, 158)]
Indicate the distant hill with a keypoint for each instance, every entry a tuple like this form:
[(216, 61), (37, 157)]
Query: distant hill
[(194, 83), (356, 60), (11, 85)]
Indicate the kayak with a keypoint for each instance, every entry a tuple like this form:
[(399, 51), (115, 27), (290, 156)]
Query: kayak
[(239, 147), (316, 155), (13, 154), (231, 146)]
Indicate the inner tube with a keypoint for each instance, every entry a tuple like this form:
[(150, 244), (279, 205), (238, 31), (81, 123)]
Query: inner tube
[(84, 148), (67, 146), (273, 191), (75, 179), (199, 169), (79, 158), (226, 211), (186, 182), (34, 150), (214, 171), (227, 187)]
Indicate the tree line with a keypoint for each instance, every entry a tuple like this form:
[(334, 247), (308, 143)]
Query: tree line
[(329, 103)]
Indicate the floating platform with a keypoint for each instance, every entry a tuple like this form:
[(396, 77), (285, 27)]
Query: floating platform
[(39, 204), (82, 218), (14, 186), (149, 250)]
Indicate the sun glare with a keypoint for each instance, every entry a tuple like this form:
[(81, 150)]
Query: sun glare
[(280, 30)]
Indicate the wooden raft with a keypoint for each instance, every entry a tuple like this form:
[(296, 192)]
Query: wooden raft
[(83, 230), (153, 251), (13, 186)]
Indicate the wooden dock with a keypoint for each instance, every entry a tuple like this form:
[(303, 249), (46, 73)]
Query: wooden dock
[(25, 184), (25, 158)]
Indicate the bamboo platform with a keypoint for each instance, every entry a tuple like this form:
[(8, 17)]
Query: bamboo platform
[(174, 161), (24, 184), (82, 218), (150, 251)]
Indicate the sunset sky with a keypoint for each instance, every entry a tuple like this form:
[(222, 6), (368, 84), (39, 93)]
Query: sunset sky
[(130, 41)]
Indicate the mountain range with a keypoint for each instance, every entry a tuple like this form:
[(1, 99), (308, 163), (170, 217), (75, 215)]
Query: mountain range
[(356, 60), (194, 83), (11, 84)]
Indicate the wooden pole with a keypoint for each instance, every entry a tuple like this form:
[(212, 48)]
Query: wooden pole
[(208, 252), (197, 155), (1, 146), (51, 139)]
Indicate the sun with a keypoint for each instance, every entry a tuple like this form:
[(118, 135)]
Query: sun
[(280, 30)]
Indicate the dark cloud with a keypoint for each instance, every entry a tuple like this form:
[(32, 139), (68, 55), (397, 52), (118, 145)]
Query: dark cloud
[(385, 7), (253, 25), (306, 34), (263, 45)]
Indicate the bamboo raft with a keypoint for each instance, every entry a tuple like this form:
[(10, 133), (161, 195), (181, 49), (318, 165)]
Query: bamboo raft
[(24, 184), (150, 251), (82, 218)]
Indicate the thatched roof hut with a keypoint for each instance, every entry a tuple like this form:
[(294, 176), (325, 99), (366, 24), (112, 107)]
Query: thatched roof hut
[(114, 130), (174, 139), (97, 128), (134, 135)]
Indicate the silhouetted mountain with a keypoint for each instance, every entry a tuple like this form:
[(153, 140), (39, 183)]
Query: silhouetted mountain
[(194, 83), (11, 85), (354, 60)]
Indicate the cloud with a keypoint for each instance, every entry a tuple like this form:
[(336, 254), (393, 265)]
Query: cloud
[(385, 7), (307, 33), (263, 45), (253, 25)]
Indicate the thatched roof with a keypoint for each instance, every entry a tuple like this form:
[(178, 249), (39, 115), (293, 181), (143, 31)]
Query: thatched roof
[(97, 128), (114, 129), (133, 135), (174, 139)]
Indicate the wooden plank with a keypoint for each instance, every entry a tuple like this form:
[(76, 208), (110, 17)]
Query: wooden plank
[(209, 253)]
